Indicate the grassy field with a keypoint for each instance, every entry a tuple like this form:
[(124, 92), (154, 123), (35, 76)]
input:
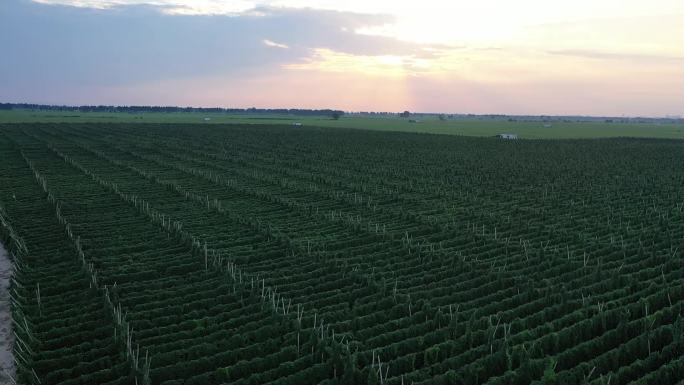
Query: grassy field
[(526, 130), (243, 255)]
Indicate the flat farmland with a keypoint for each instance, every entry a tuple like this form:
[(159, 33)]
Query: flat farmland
[(431, 124), (269, 254)]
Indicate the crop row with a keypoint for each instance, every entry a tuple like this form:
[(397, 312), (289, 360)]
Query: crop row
[(248, 255)]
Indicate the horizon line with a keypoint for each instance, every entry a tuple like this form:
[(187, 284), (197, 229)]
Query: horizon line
[(74, 106)]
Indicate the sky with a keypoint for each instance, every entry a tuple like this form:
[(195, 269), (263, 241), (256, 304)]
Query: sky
[(537, 57)]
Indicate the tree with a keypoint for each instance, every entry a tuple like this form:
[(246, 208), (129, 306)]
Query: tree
[(336, 115), (442, 117), (405, 114)]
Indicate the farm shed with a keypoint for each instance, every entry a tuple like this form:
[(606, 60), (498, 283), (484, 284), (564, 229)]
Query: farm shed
[(507, 136), (296, 124)]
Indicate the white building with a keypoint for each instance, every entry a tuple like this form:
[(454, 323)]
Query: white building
[(507, 136)]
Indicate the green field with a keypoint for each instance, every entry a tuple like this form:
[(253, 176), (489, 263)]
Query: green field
[(268, 255), (432, 125)]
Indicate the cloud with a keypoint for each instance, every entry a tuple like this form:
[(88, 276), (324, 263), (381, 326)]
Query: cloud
[(216, 52), (136, 43), (326, 60), (638, 38), (174, 7), (271, 43), (630, 57)]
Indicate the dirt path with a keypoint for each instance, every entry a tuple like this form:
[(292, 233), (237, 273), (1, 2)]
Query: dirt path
[(6, 336)]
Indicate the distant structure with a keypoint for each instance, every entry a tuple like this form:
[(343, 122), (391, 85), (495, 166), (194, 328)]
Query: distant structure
[(507, 136), (548, 125), (298, 124), (207, 119), (414, 121)]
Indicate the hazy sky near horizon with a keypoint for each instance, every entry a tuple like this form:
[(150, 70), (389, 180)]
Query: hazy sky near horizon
[(608, 57)]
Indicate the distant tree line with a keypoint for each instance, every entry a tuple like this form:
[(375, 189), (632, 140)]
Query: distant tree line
[(136, 109), (336, 114)]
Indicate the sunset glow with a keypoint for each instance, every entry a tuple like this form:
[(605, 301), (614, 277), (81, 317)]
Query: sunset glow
[(627, 54)]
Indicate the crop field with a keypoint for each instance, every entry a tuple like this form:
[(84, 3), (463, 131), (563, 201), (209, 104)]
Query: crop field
[(427, 125), (261, 255)]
